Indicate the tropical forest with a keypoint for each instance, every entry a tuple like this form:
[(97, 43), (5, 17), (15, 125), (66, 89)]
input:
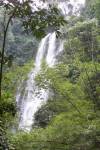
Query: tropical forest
[(49, 74)]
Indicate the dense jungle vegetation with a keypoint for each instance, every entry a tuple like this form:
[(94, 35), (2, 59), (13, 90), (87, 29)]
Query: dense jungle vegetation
[(70, 120)]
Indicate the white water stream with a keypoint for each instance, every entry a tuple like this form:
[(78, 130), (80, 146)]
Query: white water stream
[(33, 97)]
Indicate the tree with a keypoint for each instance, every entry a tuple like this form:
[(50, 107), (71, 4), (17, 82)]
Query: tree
[(36, 22), (93, 9)]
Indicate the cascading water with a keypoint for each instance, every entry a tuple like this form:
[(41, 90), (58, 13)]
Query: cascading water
[(34, 97)]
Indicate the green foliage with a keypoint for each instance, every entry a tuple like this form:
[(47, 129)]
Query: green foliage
[(67, 130), (90, 81), (70, 120), (82, 41), (97, 10), (68, 117), (20, 46), (43, 20), (11, 80), (37, 21), (13, 77), (92, 9)]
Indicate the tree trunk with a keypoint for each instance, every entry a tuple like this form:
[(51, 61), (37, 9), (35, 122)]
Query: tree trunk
[(2, 53)]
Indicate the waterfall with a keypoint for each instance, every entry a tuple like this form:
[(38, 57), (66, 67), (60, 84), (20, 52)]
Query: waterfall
[(34, 97)]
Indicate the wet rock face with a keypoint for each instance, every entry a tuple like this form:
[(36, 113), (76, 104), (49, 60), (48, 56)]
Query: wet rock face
[(68, 7), (42, 117)]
